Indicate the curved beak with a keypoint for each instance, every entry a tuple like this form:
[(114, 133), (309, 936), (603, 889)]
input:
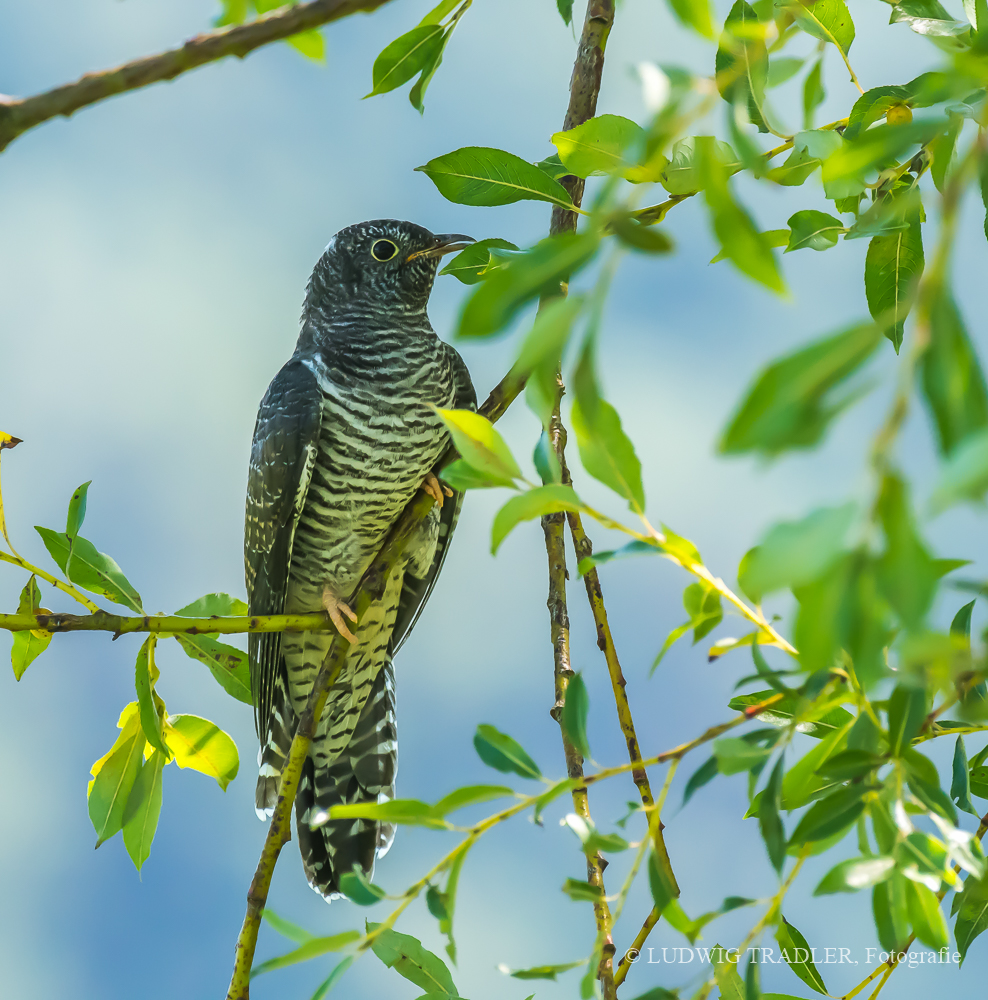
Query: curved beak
[(446, 243)]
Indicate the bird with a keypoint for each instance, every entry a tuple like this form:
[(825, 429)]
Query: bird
[(346, 434)]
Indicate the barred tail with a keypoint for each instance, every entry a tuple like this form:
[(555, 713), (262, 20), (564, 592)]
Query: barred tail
[(364, 772), (273, 753)]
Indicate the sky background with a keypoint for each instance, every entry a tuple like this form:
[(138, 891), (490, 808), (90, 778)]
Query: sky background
[(153, 255)]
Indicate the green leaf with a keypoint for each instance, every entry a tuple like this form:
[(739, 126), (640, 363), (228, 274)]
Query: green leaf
[(926, 916), (460, 475), (789, 406), (815, 230), (203, 746), (405, 57), (500, 751), (479, 175), (114, 776), (228, 665), (310, 43), (440, 11), (643, 238), (93, 571), (582, 891), (333, 978), (145, 674), (531, 504), (770, 822), (286, 928), (782, 713), (406, 955), (543, 971), (480, 445), (597, 146), (311, 949), (813, 92), (739, 237), (888, 900), (828, 20), (512, 285), (850, 764), (893, 267), (960, 781), (781, 69), (855, 874), (794, 553), (573, 718), (77, 510), (410, 812), (832, 815), (705, 773), (695, 14), (773, 237), (470, 265), (29, 645), (964, 473), (735, 754), (928, 17), (663, 890), (542, 350), (606, 450), (359, 889), (468, 796), (798, 956), (742, 63), (214, 605), (681, 174), (972, 913), (952, 379), (726, 976), (906, 712), (140, 819), (906, 574)]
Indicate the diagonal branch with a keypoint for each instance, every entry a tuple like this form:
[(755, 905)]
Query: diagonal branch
[(17, 115)]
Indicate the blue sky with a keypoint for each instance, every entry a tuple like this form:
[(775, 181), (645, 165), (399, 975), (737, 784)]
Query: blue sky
[(153, 253)]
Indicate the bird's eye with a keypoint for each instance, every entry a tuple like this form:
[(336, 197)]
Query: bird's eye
[(383, 250)]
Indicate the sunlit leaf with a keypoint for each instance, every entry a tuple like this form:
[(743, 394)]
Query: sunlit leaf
[(216, 604), (203, 746), (28, 645), (828, 20), (531, 504), (480, 445), (140, 819), (145, 675), (855, 874), (114, 776), (598, 145)]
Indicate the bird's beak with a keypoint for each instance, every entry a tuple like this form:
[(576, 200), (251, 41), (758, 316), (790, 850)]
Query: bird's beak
[(446, 243)]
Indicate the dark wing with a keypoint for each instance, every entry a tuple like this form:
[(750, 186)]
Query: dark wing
[(415, 590), (282, 456)]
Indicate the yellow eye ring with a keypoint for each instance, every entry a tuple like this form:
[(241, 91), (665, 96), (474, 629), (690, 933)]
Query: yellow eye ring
[(383, 250)]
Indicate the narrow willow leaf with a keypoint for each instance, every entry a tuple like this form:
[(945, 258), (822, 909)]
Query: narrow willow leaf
[(834, 814), (606, 450), (855, 874), (972, 913), (828, 20), (582, 891), (960, 781), (542, 971), (114, 776), (550, 333), (410, 812), (742, 63), (145, 674), (770, 822), (359, 889), (468, 796), (597, 147), (789, 405), (926, 916), (203, 746), (813, 93), (576, 708), (906, 712), (286, 928), (470, 265), (663, 890), (752, 979), (479, 175), (813, 230), (140, 819), (726, 976), (734, 228), (500, 751), (531, 504), (893, 267), (77, 510), (952, 379), (888, 900), (311, 949), (405, 57), (480, 445), (705, 773), (93, 571), (964, 474), (798, 956), (406, 955), (216, 604), (28, 645), (333, 978), (228, 665)]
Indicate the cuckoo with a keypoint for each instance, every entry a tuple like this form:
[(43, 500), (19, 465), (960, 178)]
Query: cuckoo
[(346, 434)]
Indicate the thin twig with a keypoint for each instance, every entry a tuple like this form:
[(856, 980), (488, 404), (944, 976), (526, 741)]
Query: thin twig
[(17, 115)]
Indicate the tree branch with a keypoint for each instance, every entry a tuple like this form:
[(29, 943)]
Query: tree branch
[(103, 621), (17, 115)]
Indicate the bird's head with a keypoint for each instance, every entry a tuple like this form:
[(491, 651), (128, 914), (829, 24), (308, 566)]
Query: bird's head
[(384, 265)]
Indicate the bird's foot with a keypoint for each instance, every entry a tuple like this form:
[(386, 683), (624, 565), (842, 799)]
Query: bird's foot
[(438, 491), (336, 609)]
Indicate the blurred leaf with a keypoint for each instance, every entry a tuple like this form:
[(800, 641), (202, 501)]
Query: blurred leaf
[(681, 176), (696, 14), (852, 763), (772, 237), (925, 916), (735, 754), (906, 712), (643, 238), (542, 971), (500, 751), (114, 776), (738, 235), (565, 8), (633, 548), (470, 264), (782, 713), (893, 267), (942, 152), (470, 795), (964, 474), (480, 445), (93, 571), (782, 69), (140, 819), (726, 976), (928, 17), (888, 901), (286, 928), (536, 272), (77, 510), (227, 664), (770, 822), (663, 890), (573, 718), (334, 977), (28, 645), (359, 889), (582, 892), (145, 675), (405, 56), (531, 504), (874, 104), (793, 943), (788, 406), (311, 949), (220, 605), (813, 230), (408, 958), (542, 350), (597, 146), (830, 816), (794, 553), (410, 812), (606, 450), (591, 839), (203, 746), (742, 63), (855, 874), (952, 379), (813, 93), (479, 175), (311, 44), (705, 773), (460, 475)]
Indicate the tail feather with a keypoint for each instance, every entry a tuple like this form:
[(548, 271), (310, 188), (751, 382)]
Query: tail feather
[(364, 772), (273, 753)]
